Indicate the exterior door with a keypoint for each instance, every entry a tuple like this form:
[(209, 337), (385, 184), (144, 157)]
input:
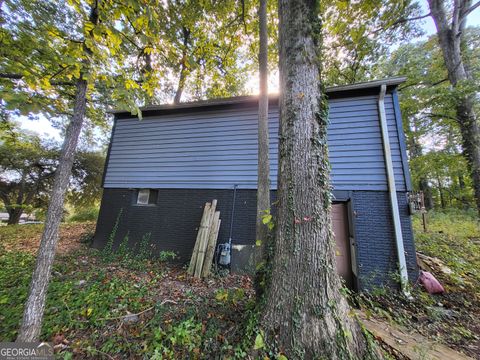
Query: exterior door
[(342, 242)]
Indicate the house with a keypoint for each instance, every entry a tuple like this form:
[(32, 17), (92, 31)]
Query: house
[(162, 169)]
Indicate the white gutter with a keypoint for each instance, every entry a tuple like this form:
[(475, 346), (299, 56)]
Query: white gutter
[(392, 190)]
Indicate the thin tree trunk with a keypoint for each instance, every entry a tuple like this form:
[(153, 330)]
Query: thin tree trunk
[(305, 314), (415, 150), (427, 193), (181, 85), (35, 306), (440, 191), (450, 35), (263, 182), (463, 197), (183, 67)]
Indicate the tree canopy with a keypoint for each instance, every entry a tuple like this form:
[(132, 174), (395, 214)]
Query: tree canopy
[(427, 102), (27, 167)]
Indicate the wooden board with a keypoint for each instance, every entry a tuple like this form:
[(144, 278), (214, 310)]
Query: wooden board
[(410, 344), (193, 260), (202, 247)]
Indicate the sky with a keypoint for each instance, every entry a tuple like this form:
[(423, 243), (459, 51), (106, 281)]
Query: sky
[(429, 26), (43, 127)]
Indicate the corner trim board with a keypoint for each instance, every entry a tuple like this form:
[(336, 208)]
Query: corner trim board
[(107, 159)]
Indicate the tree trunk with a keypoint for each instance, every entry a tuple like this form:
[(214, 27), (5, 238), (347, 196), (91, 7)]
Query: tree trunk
[(305, 314), (181, 85), (263, 182), (14, 215), (415, 150), (427, 193), (183, 67), (463, 197), (440, 191), (451, 38), (470, 131), (35, 306)]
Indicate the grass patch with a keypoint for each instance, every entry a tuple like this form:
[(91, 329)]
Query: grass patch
[(454, 238)]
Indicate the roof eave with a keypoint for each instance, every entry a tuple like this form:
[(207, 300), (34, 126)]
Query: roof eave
[(393, 81)]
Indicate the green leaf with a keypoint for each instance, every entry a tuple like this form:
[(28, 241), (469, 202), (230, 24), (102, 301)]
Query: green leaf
[(89, 26), (266, 219), (259, 343), (221, 295), (258, 242)]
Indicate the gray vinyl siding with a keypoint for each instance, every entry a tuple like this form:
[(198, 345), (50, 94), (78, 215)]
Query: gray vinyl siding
[(215, 149)]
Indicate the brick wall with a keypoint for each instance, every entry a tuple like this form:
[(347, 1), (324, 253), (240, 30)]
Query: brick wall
[(375, 238), (173, 224)]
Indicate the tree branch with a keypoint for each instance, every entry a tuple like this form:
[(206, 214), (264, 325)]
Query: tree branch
[(470, 10), (20, 76), (402, 21), (423, 84), (415, 18)]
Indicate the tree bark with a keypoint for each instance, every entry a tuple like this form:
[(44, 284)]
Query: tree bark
[(305, 314), (463, 198), (440, 191), (263, 179), (14, 215), (35, 306), (427, 193), (415, 150), (451, 39), (183, 67)]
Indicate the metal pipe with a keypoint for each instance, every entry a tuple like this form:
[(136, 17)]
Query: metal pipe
[(233, 213), (392, 190)]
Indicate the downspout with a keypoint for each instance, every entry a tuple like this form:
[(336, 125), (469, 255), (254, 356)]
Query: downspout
[(392, 189)]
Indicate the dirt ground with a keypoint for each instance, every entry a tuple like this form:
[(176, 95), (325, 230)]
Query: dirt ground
[(26, 238)]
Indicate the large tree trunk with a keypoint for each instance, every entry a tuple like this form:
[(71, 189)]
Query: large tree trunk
[(470, 131), (14, 215), (305, 314), (451, 37), (263, 182), (34, 308)]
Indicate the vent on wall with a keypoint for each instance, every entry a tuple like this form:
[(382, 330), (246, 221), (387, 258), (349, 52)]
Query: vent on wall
[(146, 197)]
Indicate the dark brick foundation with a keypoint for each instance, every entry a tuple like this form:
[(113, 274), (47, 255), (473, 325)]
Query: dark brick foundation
[(173, 224), (375, 238)]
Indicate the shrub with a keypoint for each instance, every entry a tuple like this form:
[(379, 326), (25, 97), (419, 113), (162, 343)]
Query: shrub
[(86, 214)]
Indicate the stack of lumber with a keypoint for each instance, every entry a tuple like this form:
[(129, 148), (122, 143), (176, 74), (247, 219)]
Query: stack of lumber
[(204, 249)]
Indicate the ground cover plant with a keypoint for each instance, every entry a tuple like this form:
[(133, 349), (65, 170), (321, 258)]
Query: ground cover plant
[(101, 306), (453, 241), (115, 305)]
